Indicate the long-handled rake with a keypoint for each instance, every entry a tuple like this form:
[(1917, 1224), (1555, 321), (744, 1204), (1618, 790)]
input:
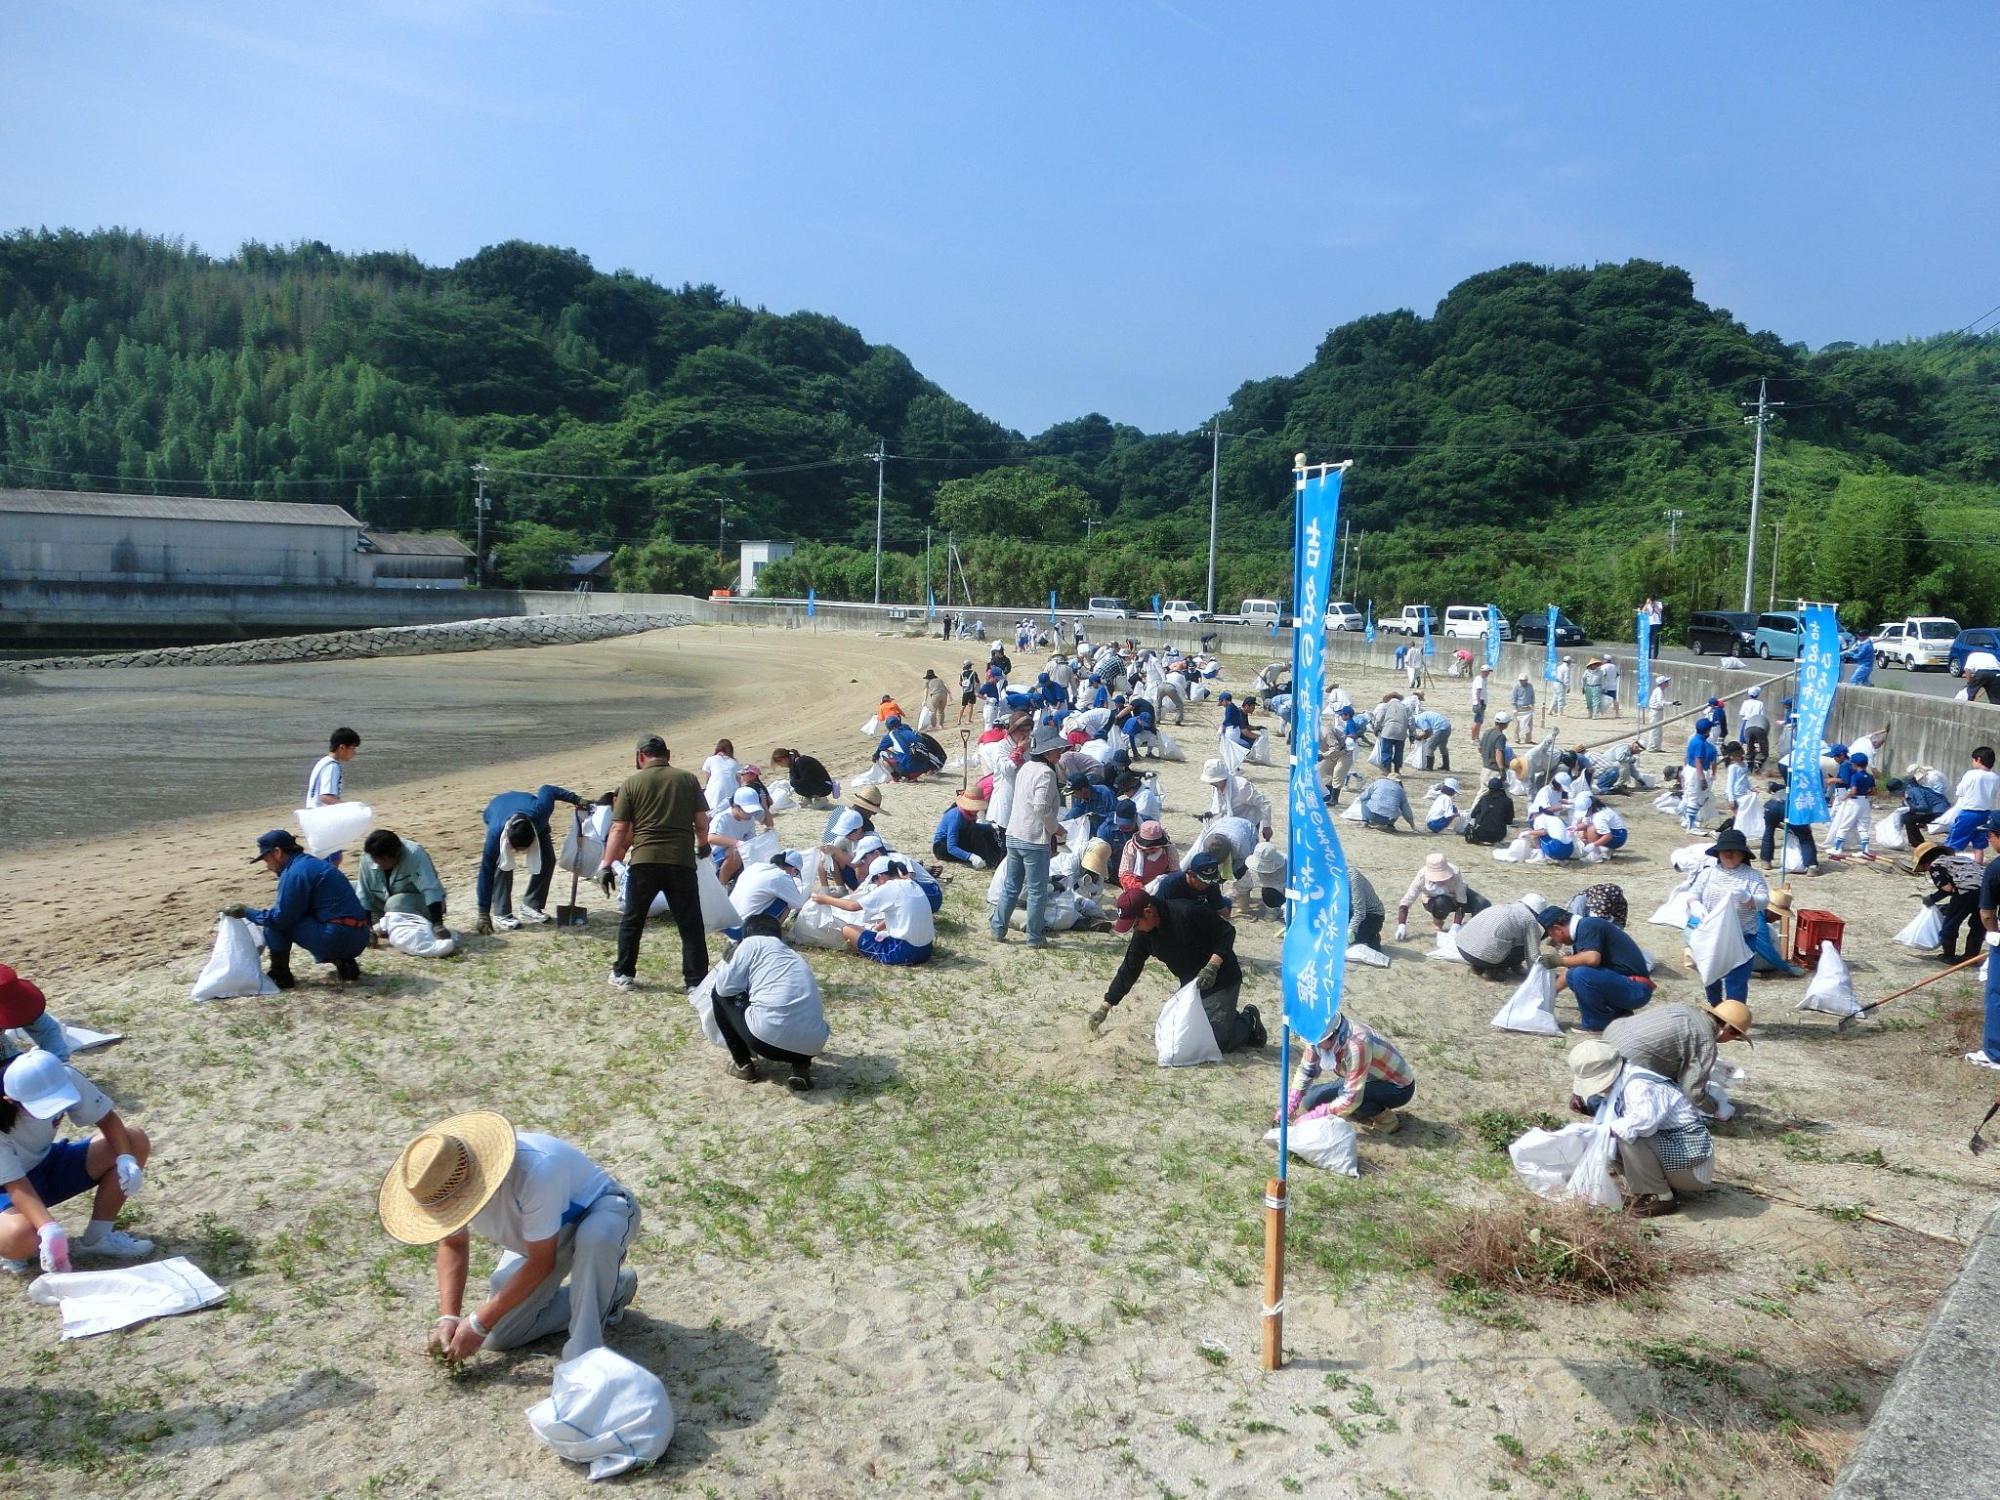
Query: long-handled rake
[(1846, 1021), (1976, 1143)]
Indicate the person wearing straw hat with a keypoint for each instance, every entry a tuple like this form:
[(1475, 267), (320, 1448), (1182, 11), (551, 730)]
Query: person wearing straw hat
[(659, 827), (1593, 687), (563, 1222), (1605, 968), (1677, 1042), (962, 837), (857, 819), (315, 909), (37, 1171), (1439, 887)]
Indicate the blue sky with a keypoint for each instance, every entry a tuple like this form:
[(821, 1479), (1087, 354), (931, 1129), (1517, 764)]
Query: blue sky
[(1129, 206)]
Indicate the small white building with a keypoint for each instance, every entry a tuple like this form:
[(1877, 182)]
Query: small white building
[(755, 557)]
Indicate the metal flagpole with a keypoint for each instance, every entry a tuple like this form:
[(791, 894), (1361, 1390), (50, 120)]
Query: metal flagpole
[(1214, 495)]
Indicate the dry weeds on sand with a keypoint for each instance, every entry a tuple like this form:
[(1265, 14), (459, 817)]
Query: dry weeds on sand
[(988, 1256)]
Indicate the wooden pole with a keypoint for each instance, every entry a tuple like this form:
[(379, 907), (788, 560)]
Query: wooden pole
[(1274, 1274)]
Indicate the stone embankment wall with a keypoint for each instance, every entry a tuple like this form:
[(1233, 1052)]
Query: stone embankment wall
[(402, 640)]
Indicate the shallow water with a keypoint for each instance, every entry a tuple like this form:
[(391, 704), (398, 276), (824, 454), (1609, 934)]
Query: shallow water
[(89, 753)]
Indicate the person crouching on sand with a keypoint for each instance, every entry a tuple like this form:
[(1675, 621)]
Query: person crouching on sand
[(316, 909), (37, 1171)]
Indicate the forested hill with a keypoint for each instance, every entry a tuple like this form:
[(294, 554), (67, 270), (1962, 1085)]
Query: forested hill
[(1523, 442)]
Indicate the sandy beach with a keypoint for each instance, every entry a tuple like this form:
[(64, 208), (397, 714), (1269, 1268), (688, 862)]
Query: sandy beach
[(988, 1256)]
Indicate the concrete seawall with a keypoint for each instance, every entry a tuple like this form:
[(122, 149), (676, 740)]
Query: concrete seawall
[(347, 645)]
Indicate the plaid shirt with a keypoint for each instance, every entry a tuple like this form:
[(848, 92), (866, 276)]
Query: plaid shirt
[(1365, 1054)]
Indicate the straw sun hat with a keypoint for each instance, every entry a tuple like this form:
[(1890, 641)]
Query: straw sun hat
[(445, 1176)]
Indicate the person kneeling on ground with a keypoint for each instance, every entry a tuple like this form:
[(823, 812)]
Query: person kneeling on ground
[(1383, 801), (961, 838), (23, 1007), (1605, 969), (37, 1171), (398, 876), (1196, 942), (316, 909), (1663, 1145), (1492, 814), (1499, 941), (1368, 1081), (556, 1213), (767, 1004), (896, 926)]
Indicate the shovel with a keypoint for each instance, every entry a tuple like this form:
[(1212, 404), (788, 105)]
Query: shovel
[(573, 915), (1847, 1021), (964, 759)]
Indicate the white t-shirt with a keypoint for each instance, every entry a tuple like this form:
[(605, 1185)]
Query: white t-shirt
[(1442, 806), (732, 825), (1604, 821), (1549, 826), (899, 906), (1753, 714), (324, 782), (1240, 833), (1977, 791), (723, 779), (785, 1008), (23, 1148), (550, 1184), (758, 886)]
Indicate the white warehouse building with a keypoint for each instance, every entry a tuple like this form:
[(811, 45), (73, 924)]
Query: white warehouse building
[(59, 536)]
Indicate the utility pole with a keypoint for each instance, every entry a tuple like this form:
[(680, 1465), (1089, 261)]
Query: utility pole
[(721, 511), (1346, 541), (947, 569), (1673, 529), (1214, 495), (927, 567), (1762, 418), (1090, 524), (881, 462), (480, 506)]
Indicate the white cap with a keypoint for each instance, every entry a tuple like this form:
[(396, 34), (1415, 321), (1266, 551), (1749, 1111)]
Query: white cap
[(1214, 772), (870, 845), (40, 1082), (746, 797), (1503, 717), (1755, 692), (846, 821)]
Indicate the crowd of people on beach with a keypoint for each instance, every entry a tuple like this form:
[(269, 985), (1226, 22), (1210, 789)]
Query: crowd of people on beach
[(1059, 806)]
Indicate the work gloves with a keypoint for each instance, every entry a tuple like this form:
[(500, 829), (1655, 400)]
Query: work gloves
[(55, 1246), (607, 880), (1209, 977), (238, 910), (1402, 931), (485, 927), (1098, 1017), (1547, 961), (130, 1178), (975, 861)]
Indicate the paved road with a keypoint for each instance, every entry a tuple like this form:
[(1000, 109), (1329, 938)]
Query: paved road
[(1894, 679)]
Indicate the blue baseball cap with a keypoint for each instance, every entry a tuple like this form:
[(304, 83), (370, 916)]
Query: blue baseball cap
[(1204, 866), (276, 839)]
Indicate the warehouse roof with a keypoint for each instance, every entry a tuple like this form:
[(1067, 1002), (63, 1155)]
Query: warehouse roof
[(586, 563), (171, 508), (414, 544)]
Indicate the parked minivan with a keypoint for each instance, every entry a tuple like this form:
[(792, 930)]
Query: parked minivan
[(1469, 620), (1106, 609), (1726, 632), (1345, 617), (1779, 635)]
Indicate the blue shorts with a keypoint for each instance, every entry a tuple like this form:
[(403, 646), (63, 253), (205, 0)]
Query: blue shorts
[(1552, 850), (59, 1176), (1439, 825), (1618, 837), (888, 950)]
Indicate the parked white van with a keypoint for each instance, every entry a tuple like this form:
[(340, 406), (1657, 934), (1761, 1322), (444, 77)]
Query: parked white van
[(1345, 617), (1468, 621), (1106, 609)]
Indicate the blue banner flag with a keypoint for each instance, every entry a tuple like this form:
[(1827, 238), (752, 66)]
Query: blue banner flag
[(1430, 646), (1819, 675), (812, 603), (1315, 948), (1052, 606), (1159, 619), (1493, 636), (930, 602), (1549, 650), (1368, 630), (1644, 636)]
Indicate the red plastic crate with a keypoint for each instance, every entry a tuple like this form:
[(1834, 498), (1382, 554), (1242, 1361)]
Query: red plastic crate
[(1810, 929)]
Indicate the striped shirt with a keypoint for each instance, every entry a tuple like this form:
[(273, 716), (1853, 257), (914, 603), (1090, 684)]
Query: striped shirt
[(1675, 1041), (1364, 1054)]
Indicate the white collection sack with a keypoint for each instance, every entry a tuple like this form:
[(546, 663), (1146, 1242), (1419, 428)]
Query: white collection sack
[(1924, 931), (1182, 1036), (1592, 1181), (233, 969), (1169, 748), (100, 1301), (873, 725), (583, 856), (1232, 750), (1532, 1007), (327, 830), (1260, 751), (1673, 912), (782, 799), (409, 933), (1831, 989), (1545, 1160), (1889, 832), (1717, 944), (1795, 857), (1515, 852), (1361, 953), (818, 926), (605, 1411), (716, 912), (1446, 949), (1689, 857), (1327, 1142), (702, 998), (1351, 813), (927, 718), (877, 774)]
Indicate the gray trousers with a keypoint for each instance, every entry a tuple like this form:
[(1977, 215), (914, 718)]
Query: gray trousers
[(1639, 1163), (591, 1253), (1434, 751)]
